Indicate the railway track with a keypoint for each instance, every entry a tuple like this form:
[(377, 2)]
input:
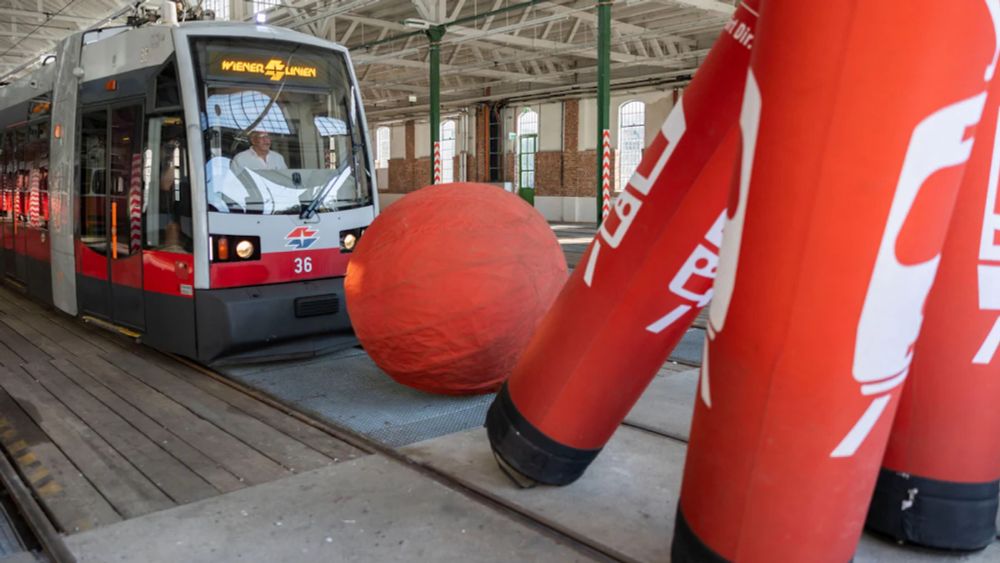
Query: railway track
[(53, 547), (34, 520), (583, 544)]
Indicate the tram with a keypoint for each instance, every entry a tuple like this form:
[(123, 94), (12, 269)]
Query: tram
[(199, 185)]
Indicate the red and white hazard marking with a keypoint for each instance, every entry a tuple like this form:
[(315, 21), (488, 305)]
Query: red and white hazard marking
[(606, 176), (437, 162)]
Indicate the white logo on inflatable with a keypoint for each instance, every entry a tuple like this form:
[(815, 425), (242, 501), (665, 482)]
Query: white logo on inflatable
[(893, 309), (989, 251), (702, 263), (627, 204), (729, 254)]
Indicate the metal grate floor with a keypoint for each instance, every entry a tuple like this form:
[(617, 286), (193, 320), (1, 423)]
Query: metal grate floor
[(347, 388)]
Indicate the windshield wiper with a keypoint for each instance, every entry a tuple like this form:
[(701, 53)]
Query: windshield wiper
[(343, 173)]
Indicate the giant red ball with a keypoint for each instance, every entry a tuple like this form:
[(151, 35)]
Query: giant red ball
[(447, 285)]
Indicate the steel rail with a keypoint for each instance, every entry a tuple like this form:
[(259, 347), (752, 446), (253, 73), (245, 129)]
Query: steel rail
[(37, 519), (560, 533)]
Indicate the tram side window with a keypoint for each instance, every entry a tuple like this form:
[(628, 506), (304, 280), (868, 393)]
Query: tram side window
[(6, 172), (167, 187), (167, 92), (38, 179), (22, 152), (93, 173), (10, 176)]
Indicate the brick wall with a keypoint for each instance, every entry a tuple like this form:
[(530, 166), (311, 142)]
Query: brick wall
[(411, 139), (571, 125), (479, 169), (549, 173), (421, 173), (471, 171), (400, 175), (570, 173), (579, 169), (411, 173), (408, 174)]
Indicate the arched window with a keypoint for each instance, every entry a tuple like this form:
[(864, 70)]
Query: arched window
[(382, 147), (220, 7), (448, 151), (527, 146), (631, 140)]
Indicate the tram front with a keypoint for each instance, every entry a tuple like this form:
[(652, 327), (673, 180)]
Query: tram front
[(288, 189)]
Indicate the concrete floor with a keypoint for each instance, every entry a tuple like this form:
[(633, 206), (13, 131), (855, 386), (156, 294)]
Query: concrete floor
[(371, 509)]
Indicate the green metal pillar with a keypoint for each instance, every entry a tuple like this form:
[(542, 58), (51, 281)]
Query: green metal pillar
[(435, 34), (603, 92)]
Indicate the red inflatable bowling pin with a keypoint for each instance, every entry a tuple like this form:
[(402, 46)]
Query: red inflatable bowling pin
[(855, 133), (940, 477), (641, 283)]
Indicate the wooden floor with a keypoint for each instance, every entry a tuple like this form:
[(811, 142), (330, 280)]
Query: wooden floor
[(106, 430)]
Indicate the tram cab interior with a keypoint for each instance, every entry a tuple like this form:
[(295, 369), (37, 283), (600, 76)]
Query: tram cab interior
[(308, 125)]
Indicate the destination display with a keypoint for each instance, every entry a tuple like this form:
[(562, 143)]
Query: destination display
[(296, 69)]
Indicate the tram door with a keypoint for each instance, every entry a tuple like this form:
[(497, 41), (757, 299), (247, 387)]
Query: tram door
[(109, 261)]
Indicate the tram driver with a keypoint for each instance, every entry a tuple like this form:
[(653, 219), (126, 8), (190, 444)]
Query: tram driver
[(259, 156)]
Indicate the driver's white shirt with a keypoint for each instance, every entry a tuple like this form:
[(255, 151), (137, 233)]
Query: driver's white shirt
[(248, 159)]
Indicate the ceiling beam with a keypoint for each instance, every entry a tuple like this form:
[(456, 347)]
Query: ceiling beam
[(451, 69), (362, 57), (591, 18), (411, 111), (707, 6), (76, 19), (574, 76), (36, 35), (544, 44), (677, 60)]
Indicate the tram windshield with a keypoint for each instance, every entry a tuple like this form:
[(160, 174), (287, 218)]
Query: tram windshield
[(282, 129)]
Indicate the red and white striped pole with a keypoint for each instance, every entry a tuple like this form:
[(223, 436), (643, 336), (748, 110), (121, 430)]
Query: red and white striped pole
[(606, 177), (437, 162)]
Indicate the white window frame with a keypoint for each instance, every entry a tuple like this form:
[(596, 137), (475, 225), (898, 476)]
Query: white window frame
[(382, 146), (631, 140), (527, 169), (221, 8), (449, 131)]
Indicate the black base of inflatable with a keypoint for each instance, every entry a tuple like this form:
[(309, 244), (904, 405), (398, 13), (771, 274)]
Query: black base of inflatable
[(687, 548), (933, 513), (529, 452)]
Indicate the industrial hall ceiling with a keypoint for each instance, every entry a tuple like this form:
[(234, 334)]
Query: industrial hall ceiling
[(492, 50)]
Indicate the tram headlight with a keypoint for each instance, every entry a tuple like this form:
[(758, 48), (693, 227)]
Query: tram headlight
[(244, 249), (349, 239), (234, 248)]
